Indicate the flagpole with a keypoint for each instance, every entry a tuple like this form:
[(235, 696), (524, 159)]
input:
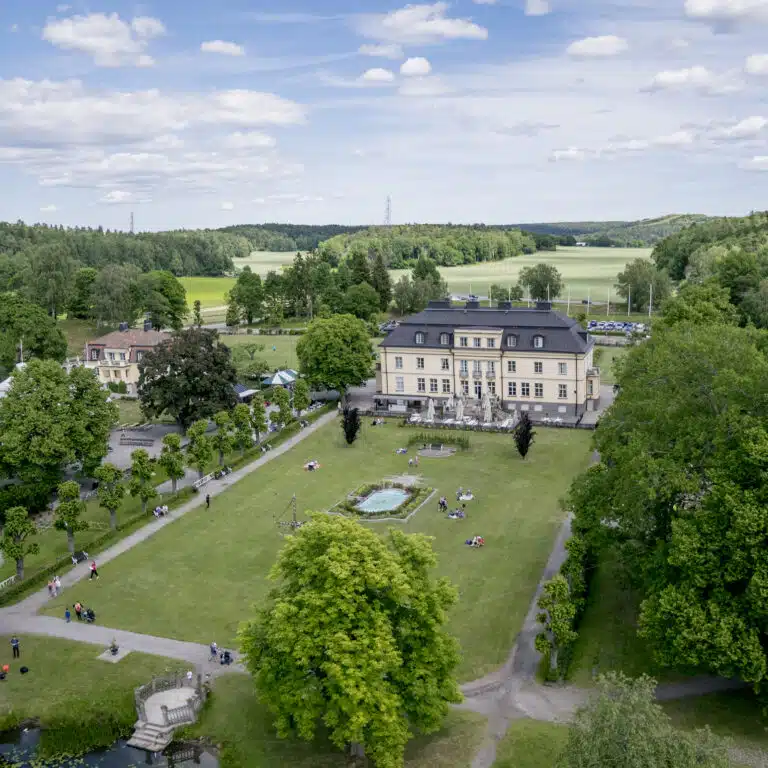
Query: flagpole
[(568, 311), (589, 291), (608, 311), (629, 298), (650, 303)]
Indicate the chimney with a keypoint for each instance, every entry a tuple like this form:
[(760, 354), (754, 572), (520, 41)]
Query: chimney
[(123, 326), (439, 304), (544, 306), (147, 325)]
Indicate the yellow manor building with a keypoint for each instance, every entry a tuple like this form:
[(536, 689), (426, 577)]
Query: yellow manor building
[(534, 360)]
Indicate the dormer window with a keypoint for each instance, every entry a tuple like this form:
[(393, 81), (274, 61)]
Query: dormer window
[(420, 338), (445, 339), (538, 342), (94, 354), (511, 341)]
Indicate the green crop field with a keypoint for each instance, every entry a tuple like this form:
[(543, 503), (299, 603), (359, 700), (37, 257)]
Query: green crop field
[(266, 261), (587, 271)]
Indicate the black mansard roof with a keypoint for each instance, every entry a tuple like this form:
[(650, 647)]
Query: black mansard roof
[(518, 328)]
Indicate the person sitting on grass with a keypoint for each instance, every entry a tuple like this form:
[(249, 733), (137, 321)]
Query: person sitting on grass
[(114, 649)]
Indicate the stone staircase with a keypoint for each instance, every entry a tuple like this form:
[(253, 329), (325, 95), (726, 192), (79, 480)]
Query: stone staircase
[(150, 736)]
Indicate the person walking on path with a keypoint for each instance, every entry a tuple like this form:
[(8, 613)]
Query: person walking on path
[(56, 586), (207, 500), (214, 652), (67, 616), (94, 572), (15, 647)]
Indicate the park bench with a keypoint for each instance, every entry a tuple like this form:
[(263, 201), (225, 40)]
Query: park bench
[(145, 441), (198, 484)]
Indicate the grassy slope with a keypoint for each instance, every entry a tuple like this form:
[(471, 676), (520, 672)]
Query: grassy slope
[(530, 744), (77, 332), (236, 720), (202, 574)]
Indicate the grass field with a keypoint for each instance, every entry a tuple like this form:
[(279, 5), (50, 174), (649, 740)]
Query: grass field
[(531, 744), (242, 725), (609, 356), (198, 578), (279, 351)]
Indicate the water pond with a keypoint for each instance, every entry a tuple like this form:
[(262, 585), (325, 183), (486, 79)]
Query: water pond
[(17, 749), (383, 501)]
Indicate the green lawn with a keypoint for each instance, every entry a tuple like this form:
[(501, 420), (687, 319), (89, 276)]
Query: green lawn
[(531, 744), (608, 357), (243, 727), (85, 702), (279, 351), (198, 578)]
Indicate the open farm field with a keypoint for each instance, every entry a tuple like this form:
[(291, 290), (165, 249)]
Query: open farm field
[(588, 271), (262, 262), (199, 578)]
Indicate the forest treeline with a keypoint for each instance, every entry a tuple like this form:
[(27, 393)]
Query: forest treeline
[(205, 253), (288, 237)]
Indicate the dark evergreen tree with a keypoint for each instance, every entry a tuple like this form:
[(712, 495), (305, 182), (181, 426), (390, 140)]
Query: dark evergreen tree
[(351, 424), (524, 434), (382, 282)]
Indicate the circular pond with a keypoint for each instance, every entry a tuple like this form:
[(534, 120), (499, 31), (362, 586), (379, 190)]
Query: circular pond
[(383, 500)]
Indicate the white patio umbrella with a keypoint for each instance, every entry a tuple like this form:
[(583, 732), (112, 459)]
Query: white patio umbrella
[(460, 409), (431, 410), (487, 410)]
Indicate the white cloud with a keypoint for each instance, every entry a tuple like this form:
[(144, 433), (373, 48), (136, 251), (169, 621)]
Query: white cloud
[(252, 108), (677, 139), (416, 67), (536, 7), (377, 75), (425, 87), (223, 47), (727, 10), (695, 78), (384, 50), (227, 206), (485, 2), (48, 209), (757, 163), (419, 24), (757, 64), (117, 197), (109, 40), (598, 47), (249, 140), (748, 128), (14, 27), (571, 153)]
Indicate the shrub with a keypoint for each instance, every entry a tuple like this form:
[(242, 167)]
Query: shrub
[(461, 442)]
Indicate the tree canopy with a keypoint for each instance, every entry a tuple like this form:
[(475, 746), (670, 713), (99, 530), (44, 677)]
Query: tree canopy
[(543, 281), (190, 377), (335, 352), (641, 282), (352, 636), (25, 325)]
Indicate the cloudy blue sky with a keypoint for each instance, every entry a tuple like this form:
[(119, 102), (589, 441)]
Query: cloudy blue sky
[(193, 113)]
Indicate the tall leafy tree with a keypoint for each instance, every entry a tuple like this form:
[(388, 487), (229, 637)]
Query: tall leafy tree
[(116, 294), (350, 424), (50, 276), (375, 659), (381, 282), (141, 478), (505, 292), (704, 304), (301, 399), (164, 298), (171, 459), (234, 315), (359, 267), (426, 269), (243, 431), (223, 440), (111, 490), (15, 544), (258, 417), (248, 295), (69, 511), (335, 352), (543, 281), (641, 282), (190, 377), (26, 326), (199, 448), (623, 725), (197, 313), (361, 301), (557, 617), (283, 401), (81, 300)]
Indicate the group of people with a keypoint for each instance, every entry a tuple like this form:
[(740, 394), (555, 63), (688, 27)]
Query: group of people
[(464, 494), (54, 587), (460, 513), (161, 511), (219, 655), (475, 541), (81, 613), (377, 422), (311, 466), (414, 462)]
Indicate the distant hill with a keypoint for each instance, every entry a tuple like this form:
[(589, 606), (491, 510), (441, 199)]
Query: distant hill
[(646, 232)]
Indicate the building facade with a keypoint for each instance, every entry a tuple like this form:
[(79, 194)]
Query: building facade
[(533, 360), (116, 356)]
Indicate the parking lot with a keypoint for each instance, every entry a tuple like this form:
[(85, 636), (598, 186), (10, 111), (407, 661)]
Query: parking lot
[(617, 326)]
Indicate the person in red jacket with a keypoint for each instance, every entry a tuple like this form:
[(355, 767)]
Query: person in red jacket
[(94, 572)]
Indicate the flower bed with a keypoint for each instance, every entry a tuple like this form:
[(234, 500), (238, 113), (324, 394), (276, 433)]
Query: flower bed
[(349, 507)]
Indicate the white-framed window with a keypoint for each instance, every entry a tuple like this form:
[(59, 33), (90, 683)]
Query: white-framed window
[(477, 366), (433, 385), (525, 389), (464, 366), (538, 342), (122, 356), (465, 387), (420, 338), (512, 388), (491, 343), (111, 356), (562, 391), (421, 385), (477, 342), (420, 363), (491, 387), (511, 341), (538, 389), (490, 368), (445, 364), (94, 354), (446, 386), (399, 384), (445, 339), (399, 363), (590, 388), (463, 341), (511, 366), (562, 369), (538, 367), (139, 355)]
